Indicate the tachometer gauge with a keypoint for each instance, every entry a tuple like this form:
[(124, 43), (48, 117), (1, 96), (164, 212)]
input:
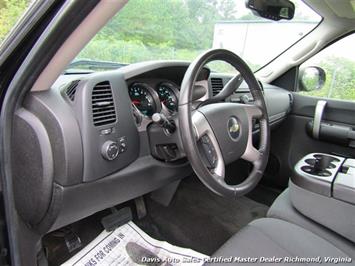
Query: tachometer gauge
[(142, 97), (168, 96)]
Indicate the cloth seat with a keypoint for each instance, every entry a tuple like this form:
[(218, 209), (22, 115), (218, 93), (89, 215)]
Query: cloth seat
[(276, 242)]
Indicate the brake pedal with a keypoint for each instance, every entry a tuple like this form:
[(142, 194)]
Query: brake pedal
[(140, 207), (72, 240)]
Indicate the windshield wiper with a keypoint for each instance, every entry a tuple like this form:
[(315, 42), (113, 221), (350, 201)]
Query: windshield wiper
[(88, 66)]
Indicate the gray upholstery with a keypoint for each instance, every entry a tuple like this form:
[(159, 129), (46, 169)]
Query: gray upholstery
[(337, 215), (270, 237), (283, 209)]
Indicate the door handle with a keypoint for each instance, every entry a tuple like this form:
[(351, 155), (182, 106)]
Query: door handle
[(318, 114)]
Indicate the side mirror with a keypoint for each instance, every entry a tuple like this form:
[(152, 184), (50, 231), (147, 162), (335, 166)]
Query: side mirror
[(311, 78), (272, 9)]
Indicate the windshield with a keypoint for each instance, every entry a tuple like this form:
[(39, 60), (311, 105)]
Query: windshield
[(181, 29)]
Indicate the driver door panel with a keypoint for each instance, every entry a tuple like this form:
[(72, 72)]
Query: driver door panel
[(322, 116), (293, 139)]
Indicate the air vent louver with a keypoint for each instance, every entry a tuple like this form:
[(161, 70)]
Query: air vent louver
[(71, 89), (103, 106), (217, 85)]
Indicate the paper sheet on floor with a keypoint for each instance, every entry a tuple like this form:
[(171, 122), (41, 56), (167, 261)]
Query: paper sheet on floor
[(129, 245)]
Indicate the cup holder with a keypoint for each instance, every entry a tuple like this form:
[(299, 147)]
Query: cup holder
[(312, 162), (327, 157), (310, 170), (317, 172), (320, 165)]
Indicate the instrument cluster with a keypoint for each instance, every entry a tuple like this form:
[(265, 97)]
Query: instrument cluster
[(150, 100)]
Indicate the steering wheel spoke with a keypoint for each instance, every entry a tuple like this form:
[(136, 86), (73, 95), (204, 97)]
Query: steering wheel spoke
[(253, 111), (209, 144), (251, 153)]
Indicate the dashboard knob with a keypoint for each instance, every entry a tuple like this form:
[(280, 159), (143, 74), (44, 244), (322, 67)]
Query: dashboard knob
[(110, 150)]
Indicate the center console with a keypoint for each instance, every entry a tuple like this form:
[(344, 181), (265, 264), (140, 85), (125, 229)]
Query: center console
[(322, 188)]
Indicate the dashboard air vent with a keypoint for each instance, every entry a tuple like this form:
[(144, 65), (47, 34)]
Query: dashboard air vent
[(103, 106), (217, 85), (71, 89)]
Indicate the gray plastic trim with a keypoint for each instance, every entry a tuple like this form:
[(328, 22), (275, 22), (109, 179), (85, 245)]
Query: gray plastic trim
[(251, 153), (142, 176), (124, 128), (318, 184), (318, 114), (344, 183), (202, 127), (37, 177), (64, 134)]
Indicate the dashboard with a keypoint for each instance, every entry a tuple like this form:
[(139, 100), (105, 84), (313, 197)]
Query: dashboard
[(96, 143)]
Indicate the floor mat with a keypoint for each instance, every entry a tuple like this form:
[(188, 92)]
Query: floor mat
[(199, 219), (129, 245)]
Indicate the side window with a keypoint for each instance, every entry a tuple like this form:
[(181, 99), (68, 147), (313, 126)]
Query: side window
[(331, 73), (10, 12)]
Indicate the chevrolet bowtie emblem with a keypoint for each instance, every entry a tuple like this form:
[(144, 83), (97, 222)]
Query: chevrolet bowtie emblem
[(233, 128)]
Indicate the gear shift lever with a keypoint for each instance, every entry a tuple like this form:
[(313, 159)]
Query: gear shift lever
[(162, 121)]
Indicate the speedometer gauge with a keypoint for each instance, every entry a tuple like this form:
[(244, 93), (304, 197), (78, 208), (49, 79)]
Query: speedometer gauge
[(168, 96), (142, 97)]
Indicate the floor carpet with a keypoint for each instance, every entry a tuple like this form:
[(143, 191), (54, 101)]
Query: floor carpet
[(198, 218)]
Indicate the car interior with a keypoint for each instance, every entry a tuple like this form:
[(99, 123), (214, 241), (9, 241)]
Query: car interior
[(240, 164)]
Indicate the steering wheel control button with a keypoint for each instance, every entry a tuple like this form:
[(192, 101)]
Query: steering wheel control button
[(110, 150), (233, 128), (209, 151)]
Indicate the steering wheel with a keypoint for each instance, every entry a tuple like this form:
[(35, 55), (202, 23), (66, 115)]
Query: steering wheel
[(216, 134)]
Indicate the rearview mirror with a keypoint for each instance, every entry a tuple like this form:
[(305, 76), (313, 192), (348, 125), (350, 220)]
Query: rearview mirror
[(272, 9), (312, 78)]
